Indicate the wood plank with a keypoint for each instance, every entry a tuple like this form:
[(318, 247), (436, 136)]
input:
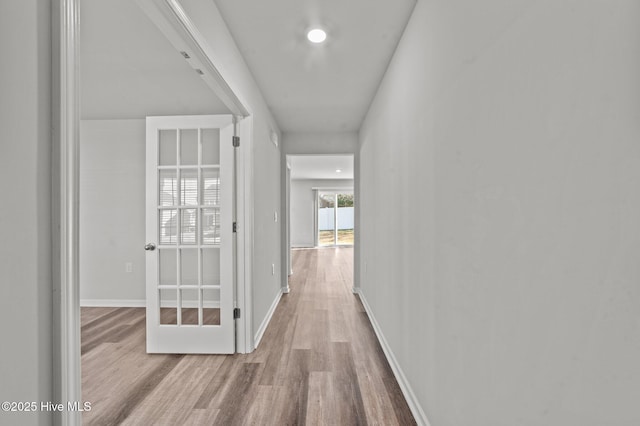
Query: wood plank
[(377, 403), (199, 417), (303, 337), (351, 409), (292, 396), (320, 348), (173, 399), (130, 396), (261, 408), (217, 383), (239, 396), (321, 403), (102, 329), (89, 315)]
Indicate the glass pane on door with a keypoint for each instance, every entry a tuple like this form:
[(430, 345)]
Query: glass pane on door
[(168, 141), (189, 147), (168, 313), (189, 303), (211, 306), (326, 219), (345, 216), (210, 146)]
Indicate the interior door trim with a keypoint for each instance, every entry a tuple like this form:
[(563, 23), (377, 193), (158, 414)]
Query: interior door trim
[(65, 16)]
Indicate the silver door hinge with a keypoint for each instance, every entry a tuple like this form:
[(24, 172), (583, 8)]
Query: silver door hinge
[(236, 141), (235, 227), (236, 313)]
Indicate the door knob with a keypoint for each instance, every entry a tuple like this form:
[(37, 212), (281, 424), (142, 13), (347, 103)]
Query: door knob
[(150, 247)]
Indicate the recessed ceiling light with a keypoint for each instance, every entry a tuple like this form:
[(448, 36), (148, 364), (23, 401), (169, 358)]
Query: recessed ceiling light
[(317, 35), (338, 171)]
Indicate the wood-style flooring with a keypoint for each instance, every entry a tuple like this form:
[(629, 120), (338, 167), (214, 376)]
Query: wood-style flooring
[(319, 363)]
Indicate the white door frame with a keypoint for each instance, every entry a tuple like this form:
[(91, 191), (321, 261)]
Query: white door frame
[(65, 208), (244, 240), (65, 18)]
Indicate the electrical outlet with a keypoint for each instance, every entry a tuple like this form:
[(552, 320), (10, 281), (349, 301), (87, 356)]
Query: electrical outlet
[(273, 269), (128, 267), (275, 216)]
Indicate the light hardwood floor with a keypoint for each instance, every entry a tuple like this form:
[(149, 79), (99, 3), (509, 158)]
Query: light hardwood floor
[(319, 363)]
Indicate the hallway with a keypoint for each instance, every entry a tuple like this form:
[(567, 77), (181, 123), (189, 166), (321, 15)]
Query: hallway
[(319, 363)]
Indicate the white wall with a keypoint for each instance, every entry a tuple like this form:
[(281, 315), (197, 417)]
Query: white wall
[(266, 156), (506, 133), (320, 143), (25, 216), (302, 207), (112, 210)]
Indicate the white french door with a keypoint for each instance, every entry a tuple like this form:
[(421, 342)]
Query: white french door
[(189, 260)]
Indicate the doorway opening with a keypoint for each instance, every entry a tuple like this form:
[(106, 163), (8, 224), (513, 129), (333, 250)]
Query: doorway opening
[(321, 202), (317, 189)]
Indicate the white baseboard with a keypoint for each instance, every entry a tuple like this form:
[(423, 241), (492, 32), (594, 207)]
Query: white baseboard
[(113, 303), (414, 405), (265, 322), (120, 303)]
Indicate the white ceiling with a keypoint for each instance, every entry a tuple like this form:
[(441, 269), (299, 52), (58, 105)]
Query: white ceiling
[(317, 88), (321, 166), (128, 69)]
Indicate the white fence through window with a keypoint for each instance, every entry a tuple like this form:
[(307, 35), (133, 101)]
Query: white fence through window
[(326, 218)]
